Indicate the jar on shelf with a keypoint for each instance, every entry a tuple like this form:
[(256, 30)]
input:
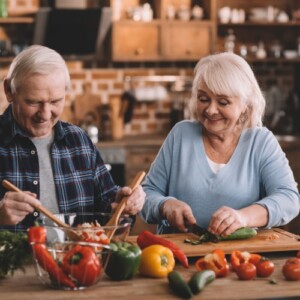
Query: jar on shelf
[(230, 41), (261, 51)]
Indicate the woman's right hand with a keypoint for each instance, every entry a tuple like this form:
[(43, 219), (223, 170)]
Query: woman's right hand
[(15, 206), (178, 214)]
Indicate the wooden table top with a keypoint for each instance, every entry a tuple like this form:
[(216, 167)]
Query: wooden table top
[(27, 286)]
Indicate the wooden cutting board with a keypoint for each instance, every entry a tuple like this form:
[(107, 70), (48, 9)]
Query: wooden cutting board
[(262, 242)]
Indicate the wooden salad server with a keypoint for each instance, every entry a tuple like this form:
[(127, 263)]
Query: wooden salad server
[(71, 233), (114, 220)]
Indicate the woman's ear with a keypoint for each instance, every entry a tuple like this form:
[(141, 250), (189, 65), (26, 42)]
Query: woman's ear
[(7, 90)]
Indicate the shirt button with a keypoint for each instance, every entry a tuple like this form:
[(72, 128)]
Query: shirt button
[(35, 182), (32, 152), (35, 214)]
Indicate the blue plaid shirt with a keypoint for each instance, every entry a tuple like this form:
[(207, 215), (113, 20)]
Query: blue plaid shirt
[(82, 182)]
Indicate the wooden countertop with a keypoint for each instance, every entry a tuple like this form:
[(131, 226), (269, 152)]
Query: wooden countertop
[(26, 286), (138, 140)]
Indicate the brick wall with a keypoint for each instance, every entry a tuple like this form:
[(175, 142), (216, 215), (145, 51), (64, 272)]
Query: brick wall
[(149, 117)]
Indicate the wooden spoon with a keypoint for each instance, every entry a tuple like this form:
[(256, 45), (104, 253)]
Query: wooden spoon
[(71, 233), (114, 220)]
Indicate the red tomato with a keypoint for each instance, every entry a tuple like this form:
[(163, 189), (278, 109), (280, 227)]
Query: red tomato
[(298, 254), (246, 271), (291, 269), (264, 267)]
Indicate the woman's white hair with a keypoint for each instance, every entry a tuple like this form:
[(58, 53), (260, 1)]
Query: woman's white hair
[(36, 59), (229, 74)]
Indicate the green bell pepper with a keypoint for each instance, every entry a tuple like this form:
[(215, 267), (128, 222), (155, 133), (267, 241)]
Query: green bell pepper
[(124, 261)]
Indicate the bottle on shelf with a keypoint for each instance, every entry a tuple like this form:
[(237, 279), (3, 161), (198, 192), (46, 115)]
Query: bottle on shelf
[(230, 41)]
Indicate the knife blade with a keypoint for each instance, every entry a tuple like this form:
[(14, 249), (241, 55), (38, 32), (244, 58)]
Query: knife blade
[(203, 233)]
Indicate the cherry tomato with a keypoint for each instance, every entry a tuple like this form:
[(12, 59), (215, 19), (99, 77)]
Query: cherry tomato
[(291, 269), (264, 267), (246, 271)]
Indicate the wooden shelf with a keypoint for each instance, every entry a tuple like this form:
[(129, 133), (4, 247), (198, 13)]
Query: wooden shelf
[(273, 59), (6, 59), (262, 24), (20, 20)]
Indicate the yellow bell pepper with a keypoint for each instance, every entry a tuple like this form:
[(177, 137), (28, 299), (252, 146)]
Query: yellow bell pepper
[(156, 261)]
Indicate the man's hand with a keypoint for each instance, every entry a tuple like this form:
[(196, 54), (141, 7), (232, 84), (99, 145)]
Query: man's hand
[(135, 201), (15, 206)]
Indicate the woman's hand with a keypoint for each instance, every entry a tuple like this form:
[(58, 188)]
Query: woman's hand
[(177, 213), (226, 220), (135, 200), (15, 206)]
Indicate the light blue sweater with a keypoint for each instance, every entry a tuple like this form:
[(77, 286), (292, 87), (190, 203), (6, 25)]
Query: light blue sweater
[(258, 172)]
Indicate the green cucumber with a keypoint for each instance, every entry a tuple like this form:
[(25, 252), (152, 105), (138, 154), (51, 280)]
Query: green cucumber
[(179, 286), (200, 279), (242, 233)]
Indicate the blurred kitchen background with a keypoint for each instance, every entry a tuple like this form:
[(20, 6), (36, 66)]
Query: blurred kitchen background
[(131, 65)]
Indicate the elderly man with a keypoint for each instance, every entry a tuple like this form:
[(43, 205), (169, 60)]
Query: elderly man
[(51, 160)]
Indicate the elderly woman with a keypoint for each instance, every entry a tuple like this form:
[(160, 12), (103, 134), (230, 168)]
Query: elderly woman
[(223, 170)]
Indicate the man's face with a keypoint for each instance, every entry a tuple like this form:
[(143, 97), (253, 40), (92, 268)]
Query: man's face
[(39, 102)]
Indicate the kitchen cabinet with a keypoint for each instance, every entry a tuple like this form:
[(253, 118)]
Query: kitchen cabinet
[(135, 43), (163, 39), (160, 40), (185, 41)]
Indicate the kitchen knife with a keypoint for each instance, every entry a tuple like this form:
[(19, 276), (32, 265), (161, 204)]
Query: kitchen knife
[(203, 233)]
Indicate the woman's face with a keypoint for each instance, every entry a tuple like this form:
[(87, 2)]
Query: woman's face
[(39, 103), (219, 114)]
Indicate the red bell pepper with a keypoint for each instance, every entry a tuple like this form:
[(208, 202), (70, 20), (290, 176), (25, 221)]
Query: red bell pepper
[(37, 234), (37, 238), (237, 257), (82, 263), (147, 238), (47, 262), (215, 261)]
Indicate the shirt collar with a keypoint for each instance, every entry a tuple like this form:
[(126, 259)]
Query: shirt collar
[(10, 129)]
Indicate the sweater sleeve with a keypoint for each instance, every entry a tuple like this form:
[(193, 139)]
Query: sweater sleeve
[(281, 194), (156, 184)]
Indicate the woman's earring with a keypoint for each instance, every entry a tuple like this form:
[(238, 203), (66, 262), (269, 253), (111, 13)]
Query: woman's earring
[(243, 118)]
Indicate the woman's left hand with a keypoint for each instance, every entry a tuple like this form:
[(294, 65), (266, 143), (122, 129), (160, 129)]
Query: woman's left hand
[(135, 201), (226, 220)]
